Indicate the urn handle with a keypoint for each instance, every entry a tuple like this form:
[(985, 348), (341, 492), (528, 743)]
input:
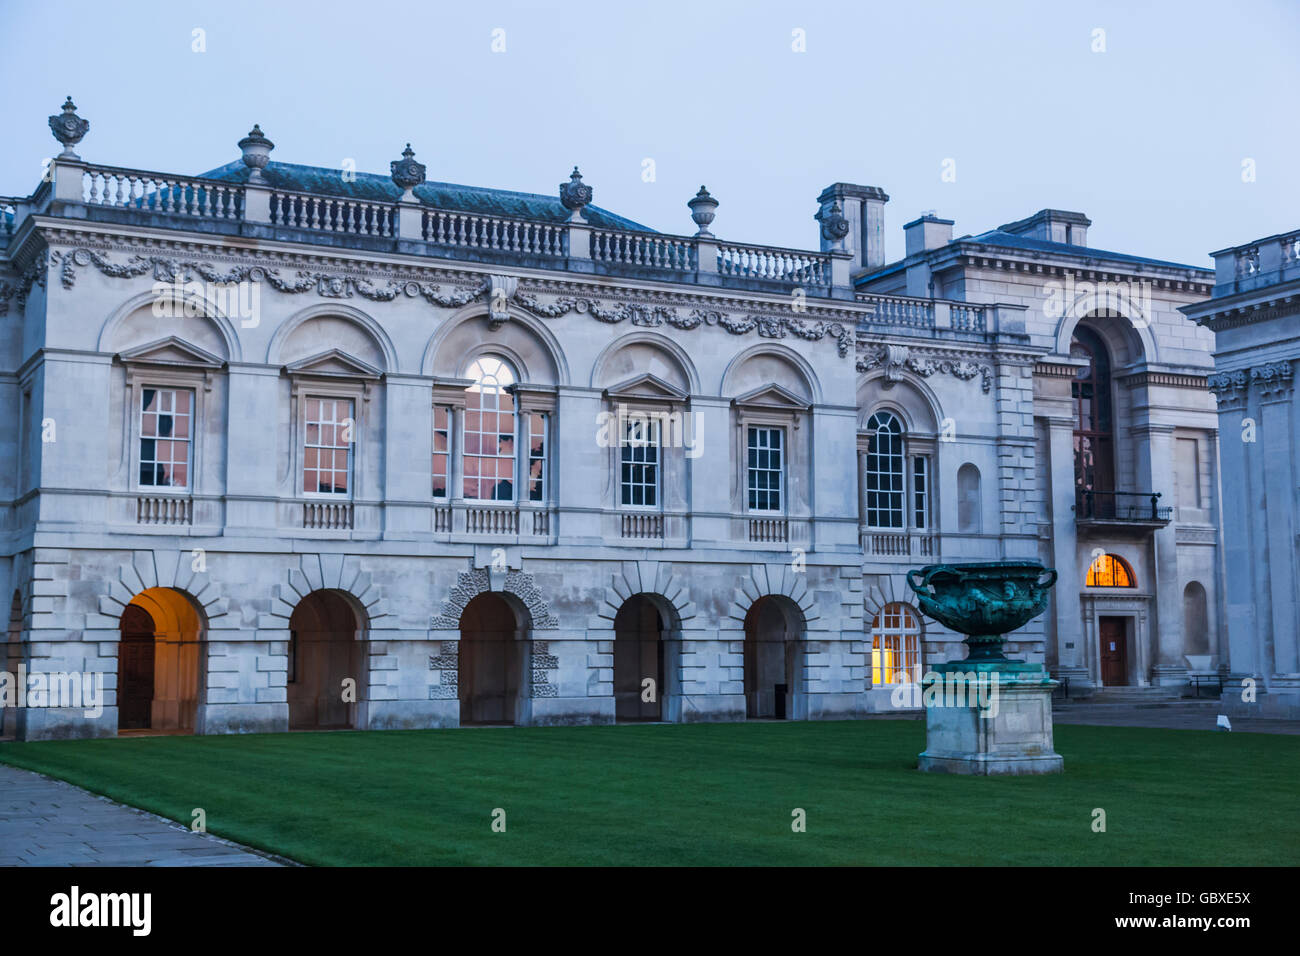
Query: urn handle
[(926, 575), (1051, 580)]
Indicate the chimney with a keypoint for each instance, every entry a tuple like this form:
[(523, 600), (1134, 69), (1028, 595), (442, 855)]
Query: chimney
[(928, 232), (1053, 225), (864, 208)]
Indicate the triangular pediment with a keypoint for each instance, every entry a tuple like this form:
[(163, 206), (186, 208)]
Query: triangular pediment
[(334, 363), (772, 396), (647, 386), (171, 351)]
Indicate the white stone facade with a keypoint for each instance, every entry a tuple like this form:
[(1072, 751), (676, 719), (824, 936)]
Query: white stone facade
[(1253, 314), (381, 309)]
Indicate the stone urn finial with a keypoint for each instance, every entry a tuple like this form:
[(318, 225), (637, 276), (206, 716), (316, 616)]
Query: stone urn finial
[(703, 208), (68, 128), (407, 173), (257, 152), (574, 195), (835, 225)]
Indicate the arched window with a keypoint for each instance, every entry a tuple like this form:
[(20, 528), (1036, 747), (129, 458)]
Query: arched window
[(1094, 447), (1110, 571), (884, 474), (895, 646), (489, 448), (969, 506)]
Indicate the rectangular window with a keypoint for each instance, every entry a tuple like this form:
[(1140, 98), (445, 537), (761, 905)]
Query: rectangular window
[(327, 446), (920, 492), (537, 424), (489, 458), (765, 467), (1188, 473), (441, 450), (639, 481), (166, 435)]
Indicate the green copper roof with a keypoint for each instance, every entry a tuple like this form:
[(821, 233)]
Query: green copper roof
[(471, 199)]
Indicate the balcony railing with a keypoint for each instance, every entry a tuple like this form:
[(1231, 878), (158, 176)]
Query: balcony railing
[(258, 210), (1121, 507), (187, 196), (893, 544)]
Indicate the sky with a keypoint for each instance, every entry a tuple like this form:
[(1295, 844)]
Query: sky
[(1172, 125)]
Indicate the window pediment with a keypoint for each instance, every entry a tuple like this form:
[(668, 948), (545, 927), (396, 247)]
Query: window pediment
[(172, 352), (771, 397), (334, 363), (646, 387)]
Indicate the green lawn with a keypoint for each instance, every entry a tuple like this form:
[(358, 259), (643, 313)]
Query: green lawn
[(704, 794)]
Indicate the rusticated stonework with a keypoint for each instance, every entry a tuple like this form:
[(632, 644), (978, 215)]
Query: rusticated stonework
[(475, 581)]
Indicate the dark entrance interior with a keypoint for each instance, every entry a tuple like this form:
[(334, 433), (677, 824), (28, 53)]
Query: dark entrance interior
[(135, 660), (771, 649), (491, 661), (325, 648), (638, 655), (1114, 652)]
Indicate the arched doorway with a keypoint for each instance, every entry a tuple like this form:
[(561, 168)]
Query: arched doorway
[(160, 663), (327, 646), (773, 659), (491, 678), (638, 657), (12, 659)]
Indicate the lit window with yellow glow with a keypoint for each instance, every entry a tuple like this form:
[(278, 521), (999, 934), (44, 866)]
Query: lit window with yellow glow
[(1109, 571), (895, 646)]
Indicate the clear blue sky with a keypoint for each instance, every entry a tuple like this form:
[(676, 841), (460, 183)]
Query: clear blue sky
[(1147, 138)]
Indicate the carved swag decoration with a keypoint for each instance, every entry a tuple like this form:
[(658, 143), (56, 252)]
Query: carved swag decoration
[(341, 286)]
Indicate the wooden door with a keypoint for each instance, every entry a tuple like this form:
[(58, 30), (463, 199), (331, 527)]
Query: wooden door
[(1114, 655), (135, 660)]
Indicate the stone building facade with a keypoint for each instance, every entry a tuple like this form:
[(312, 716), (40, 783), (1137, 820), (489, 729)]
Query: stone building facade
[(293, 449), (1253, 314)]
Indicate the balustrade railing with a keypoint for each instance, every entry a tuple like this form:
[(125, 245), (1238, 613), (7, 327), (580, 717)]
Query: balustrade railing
[(466, 231), (327, 515), (8, 215), (766, 262), (899, 543), (491, 521), (636, 525), (353, 217), (160, 193), (643, 249), (774, 530), (967, 318), (161, 509), (899, 310)]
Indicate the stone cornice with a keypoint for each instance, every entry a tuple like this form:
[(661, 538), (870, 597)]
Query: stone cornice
[(977, 255), (346, 278)]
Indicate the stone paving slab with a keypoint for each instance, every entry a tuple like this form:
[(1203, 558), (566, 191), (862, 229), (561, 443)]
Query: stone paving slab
[(47, 822)]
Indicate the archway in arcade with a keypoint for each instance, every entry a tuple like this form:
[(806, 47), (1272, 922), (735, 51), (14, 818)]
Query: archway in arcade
[(160, 661), (12, 659), (638, 657), (773, 658), (327, 646), (493, 661)]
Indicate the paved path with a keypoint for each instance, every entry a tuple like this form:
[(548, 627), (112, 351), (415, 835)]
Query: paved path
[(46, 822), (1171, 715)]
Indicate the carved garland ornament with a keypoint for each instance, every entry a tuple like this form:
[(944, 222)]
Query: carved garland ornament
[(339, 286), (894, 358)]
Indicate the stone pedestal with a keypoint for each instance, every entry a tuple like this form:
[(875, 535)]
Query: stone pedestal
[(988, 718)]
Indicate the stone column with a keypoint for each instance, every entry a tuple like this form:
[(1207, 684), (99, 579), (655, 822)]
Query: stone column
[(1071, 659), (1169, 668)]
